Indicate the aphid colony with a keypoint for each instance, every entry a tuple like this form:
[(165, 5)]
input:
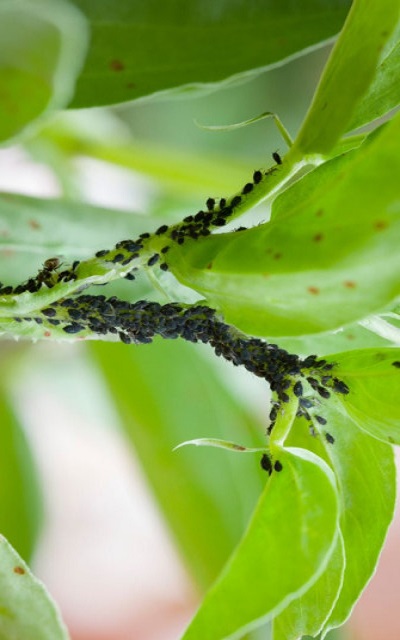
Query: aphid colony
[(216, 214), (141, 321)]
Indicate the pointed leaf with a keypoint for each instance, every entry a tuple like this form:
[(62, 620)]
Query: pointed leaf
[(287, 546), (219, 444)]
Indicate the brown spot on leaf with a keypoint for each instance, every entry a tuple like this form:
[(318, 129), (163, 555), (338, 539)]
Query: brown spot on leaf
[(19, 570), (209, 266), (4, 233), (131, 85), (277, 256), (350, 284), (117, 65), (47, 334), (350, 336), (379, 225), (34, 224), (313, 290), (319, 213), (318, 237)]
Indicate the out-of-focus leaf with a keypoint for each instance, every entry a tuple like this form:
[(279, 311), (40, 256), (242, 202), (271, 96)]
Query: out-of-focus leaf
[(347, 75), (179, 47), (167, 393), (329, 256), (20, 499), (34, 229), (26, 609), (83, 133), (287, 546), (42, 46)]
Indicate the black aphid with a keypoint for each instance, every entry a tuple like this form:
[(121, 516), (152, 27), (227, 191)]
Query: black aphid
[(340, 387), (210, 204), (306, 403), (396, 364), (154, 258), (320, 419), (266, 464), (298, 389), (222, 203), (75, 264), (124, 338), (101, 253), (74, 327), (129, 276), (277, 157), (165, 249), (161, 229), (324, 393), (164, 266), (49, 313), (236, 200), (118, 257), (329, 438), (248, 188), (278, 466), (257, 177)]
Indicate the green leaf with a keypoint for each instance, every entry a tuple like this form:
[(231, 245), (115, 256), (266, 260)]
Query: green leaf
[(328, 257), (384, 92), (286, 547), (373, 377), (351, 337), (306, 615), (347, 75), (366, 476), (20, 498), (206, 495), (181, 48), (26, 609), (42, 46)]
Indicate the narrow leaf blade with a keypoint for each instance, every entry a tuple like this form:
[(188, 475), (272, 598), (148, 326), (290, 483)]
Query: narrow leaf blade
[(287, 545)]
